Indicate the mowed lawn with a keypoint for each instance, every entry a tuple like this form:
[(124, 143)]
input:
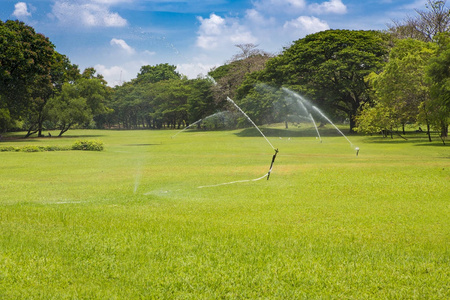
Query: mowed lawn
[(153, 217)]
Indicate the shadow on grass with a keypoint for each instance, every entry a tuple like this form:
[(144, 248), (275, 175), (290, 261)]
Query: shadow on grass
[(278, 132), (36, 139), (417, 139), (134, 145), (81, 136)]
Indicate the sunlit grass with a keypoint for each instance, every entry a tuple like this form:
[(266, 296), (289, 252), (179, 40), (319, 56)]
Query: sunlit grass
[(131, 222)]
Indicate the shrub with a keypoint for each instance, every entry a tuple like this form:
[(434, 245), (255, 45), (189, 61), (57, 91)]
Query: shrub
[(31, 149), (8, 149), (78, 145), (57, 148), (88, 145)]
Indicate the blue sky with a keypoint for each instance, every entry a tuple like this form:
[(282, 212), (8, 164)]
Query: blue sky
[(117, 37)]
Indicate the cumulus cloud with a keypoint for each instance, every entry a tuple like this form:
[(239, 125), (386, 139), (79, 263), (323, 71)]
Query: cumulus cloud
[(254, 16), (111, 2), (194, 70), (257, 18), (329, 7), (280, 6), (113, 75), (305, 25), (87, 14), (122, 45), (149, 53), (216, 31), (21, 10)]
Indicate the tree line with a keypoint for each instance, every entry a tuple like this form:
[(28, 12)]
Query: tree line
[(378, 81)]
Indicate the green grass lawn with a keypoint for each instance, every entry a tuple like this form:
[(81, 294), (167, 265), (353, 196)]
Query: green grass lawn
[(131, 221)]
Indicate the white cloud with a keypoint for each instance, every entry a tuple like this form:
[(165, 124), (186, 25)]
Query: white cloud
[(254, 16), (194, 70), (111, 2), (149, 53), (257, 18), (21, 10), (114, 75), (417, 4), (305, 25), (216, 31), (332, 6), (215, 25), (87, 14), (123, 45), (280, 6)]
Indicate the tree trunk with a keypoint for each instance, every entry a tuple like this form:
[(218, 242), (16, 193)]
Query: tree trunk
[(64, 129), (444, 131), (40, 129), (352, 123), (31, 130)]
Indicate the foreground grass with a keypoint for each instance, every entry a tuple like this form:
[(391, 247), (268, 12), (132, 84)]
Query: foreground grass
[(131, 222)]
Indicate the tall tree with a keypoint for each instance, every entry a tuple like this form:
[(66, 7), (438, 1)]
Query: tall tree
[(231, 75), (170, 97), (402, 88), (45, 87), (26, 59), (200, 100), (152, 74), (439, 75), (68, 108), (426, 24), (78, 101), (329, 67)]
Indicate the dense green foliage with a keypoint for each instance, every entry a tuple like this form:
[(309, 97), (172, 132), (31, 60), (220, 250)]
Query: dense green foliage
[(439, 74), (26, 59), (380, 80), (330, 67), (130, 222), (411, 89), (86, 145), (172, 103), (31, 73), (400, 90), (39, 88)]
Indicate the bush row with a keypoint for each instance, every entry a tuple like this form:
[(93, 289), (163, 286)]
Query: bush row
[(78, 145), (88, 145)]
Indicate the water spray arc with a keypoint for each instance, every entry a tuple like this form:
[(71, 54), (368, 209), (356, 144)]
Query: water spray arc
[(315, 126), (196, 122), (276, 150), (326, 118), (300, 102), (303, 102), (230, 100)]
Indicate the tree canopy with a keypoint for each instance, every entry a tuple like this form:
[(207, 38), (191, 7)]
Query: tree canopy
[(330, 68), (26, 61), (164, 98), (426, 24), (374, 80), (152, 74), (439, 77), (400, 89)]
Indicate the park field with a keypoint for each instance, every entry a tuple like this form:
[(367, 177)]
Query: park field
[(156, 217)]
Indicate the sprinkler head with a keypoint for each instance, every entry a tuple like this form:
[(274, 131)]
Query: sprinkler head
[(357, 150)]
